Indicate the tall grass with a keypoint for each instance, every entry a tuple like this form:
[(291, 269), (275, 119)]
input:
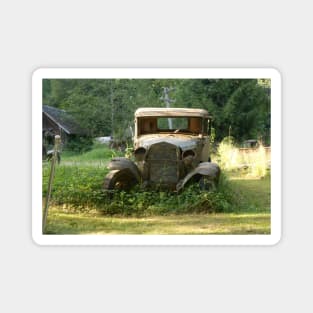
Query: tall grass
[(191, 200), (230, 158), (100, 152), (79, 180), (79, 188), (258, 162)]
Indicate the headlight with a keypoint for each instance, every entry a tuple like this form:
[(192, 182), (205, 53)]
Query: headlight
[(140, 154), (188, 157)]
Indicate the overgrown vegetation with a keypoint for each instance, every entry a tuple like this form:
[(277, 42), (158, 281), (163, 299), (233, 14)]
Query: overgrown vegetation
[(80, 206), (79, 144), (230, 158), (99, 154), (78, 188), (191, 200)]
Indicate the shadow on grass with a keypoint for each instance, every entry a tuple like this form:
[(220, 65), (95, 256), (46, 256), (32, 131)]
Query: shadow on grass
[(64, 223), (256, 192), (252, 217)]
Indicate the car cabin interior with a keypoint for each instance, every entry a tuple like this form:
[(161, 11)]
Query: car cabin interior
[(149, 125)]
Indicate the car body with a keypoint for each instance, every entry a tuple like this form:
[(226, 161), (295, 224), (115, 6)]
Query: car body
[(171, 148)]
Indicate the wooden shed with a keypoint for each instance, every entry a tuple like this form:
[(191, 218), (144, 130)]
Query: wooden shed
[(58, 122)]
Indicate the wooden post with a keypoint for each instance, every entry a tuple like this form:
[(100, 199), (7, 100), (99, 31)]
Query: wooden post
[(57, 140)]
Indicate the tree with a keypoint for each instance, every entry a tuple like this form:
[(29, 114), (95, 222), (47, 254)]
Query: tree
[(106, 106), (246, 111)]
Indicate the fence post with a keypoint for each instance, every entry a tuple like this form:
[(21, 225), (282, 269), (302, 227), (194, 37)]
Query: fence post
[(57, 140)]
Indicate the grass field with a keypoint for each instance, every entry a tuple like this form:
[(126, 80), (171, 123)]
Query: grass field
[(242, 206), (61, 222)]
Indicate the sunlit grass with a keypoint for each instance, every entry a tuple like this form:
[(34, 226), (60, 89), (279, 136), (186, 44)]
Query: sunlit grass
[(61, 222), (253, 162), (79, 206), (257, 192)]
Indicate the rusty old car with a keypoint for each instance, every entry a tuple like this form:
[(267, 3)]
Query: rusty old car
[(171, 149)]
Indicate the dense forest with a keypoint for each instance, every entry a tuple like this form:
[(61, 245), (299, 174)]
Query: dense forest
[(240, 107)]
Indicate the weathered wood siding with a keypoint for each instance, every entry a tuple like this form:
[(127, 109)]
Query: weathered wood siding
[(49, 125)]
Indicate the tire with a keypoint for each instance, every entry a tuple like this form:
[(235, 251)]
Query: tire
[(119, 180)]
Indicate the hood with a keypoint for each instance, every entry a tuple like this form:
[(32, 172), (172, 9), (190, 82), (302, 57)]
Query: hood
[(185, 142)]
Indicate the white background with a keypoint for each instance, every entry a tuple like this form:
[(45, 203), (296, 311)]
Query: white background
[(161, 34)]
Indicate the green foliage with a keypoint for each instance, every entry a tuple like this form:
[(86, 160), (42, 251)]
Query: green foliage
[(106, 106), (255, 193), (247, 111), (79, 179), (80, 188), (76, 186), (79, 144), (148, 203), (243, 205), (99, 152)]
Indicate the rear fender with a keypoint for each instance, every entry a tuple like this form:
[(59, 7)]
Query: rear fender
[(209, 170)]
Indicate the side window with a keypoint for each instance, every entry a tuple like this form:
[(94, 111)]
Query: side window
[(195, 125), (147, 125)]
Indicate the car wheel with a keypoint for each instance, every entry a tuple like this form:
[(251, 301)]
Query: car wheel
[(119, 180)]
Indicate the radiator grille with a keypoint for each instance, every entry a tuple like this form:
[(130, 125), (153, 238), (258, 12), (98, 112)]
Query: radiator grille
[(163, 164)]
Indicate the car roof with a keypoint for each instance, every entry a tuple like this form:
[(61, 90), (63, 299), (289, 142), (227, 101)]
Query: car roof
[(175, 112)]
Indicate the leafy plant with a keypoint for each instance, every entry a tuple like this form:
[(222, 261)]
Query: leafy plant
[(79, 179), (80, 188), (107, 106), (79, 144)]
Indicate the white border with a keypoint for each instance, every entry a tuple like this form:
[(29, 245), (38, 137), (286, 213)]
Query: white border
[(270, 239)]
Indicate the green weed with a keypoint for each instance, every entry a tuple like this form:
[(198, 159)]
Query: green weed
[(100, 152), (80, 189), (78, 182)]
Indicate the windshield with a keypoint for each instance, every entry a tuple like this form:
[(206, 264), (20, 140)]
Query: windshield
[(173, 123), (152, 125)]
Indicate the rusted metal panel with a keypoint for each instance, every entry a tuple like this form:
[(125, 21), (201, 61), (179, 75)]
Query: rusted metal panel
[(210, 170), (163, 163), (185, 142)]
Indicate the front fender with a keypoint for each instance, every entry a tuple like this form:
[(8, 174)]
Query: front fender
[(120, 163), (210, 170)]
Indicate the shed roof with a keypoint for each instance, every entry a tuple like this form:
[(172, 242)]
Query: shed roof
[(64, 120), (175, 112)]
